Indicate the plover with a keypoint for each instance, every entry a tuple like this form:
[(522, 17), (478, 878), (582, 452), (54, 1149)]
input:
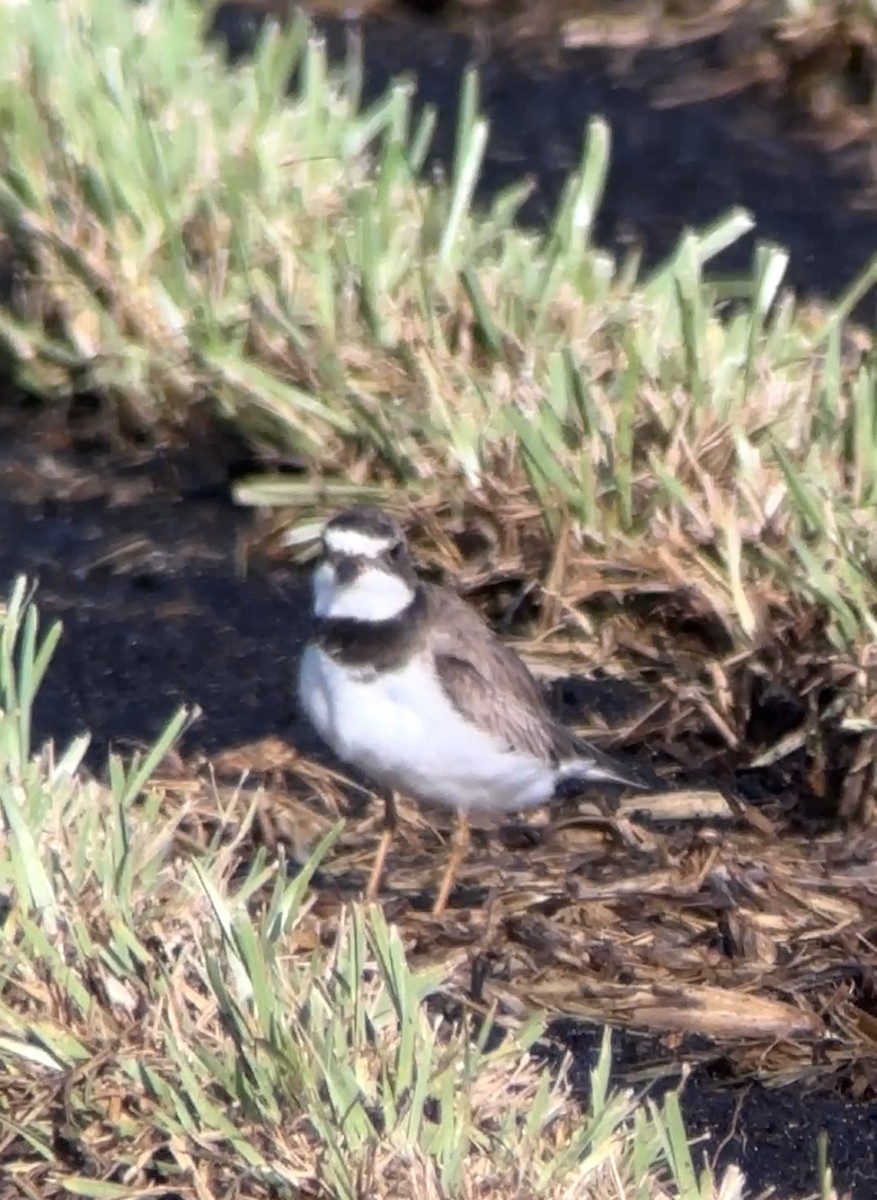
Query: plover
[(406, 683)]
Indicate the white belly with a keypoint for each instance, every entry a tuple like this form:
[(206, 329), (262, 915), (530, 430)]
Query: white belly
[(400, 729)]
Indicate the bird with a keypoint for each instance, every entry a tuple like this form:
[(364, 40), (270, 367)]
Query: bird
[(406, 683)]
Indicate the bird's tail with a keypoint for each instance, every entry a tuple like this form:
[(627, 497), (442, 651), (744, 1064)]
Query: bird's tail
[(593, 766)]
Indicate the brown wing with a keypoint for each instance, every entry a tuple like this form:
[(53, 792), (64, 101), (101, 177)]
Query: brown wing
[(486, 680)]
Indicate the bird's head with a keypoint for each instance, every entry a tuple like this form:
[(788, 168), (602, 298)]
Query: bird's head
[(365, 573)]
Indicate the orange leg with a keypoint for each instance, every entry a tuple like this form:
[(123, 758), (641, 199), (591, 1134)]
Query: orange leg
[(459, 847), (391, 822)]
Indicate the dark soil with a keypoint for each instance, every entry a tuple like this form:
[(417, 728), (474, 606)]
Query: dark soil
[(672, 166), (770, 1133), (167, 622), (141, 570)]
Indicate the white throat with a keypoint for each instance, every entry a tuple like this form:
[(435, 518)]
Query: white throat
[(374, 595)]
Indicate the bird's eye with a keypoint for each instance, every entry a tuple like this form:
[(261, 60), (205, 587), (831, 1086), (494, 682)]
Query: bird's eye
[(396, 553)]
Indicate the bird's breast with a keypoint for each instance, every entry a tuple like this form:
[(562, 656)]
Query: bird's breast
[(400, 728)]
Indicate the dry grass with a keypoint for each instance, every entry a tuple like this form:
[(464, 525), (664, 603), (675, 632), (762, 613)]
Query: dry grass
[(732, 674), (662, 928), (180, 1009), (686, 470), (706, 451), (190, 998)]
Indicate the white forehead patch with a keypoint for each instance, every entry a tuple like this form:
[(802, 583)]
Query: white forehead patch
[(356, 543)]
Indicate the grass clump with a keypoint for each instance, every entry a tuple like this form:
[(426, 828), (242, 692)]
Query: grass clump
[(184, 238), (181, 236), (170, 1020)]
